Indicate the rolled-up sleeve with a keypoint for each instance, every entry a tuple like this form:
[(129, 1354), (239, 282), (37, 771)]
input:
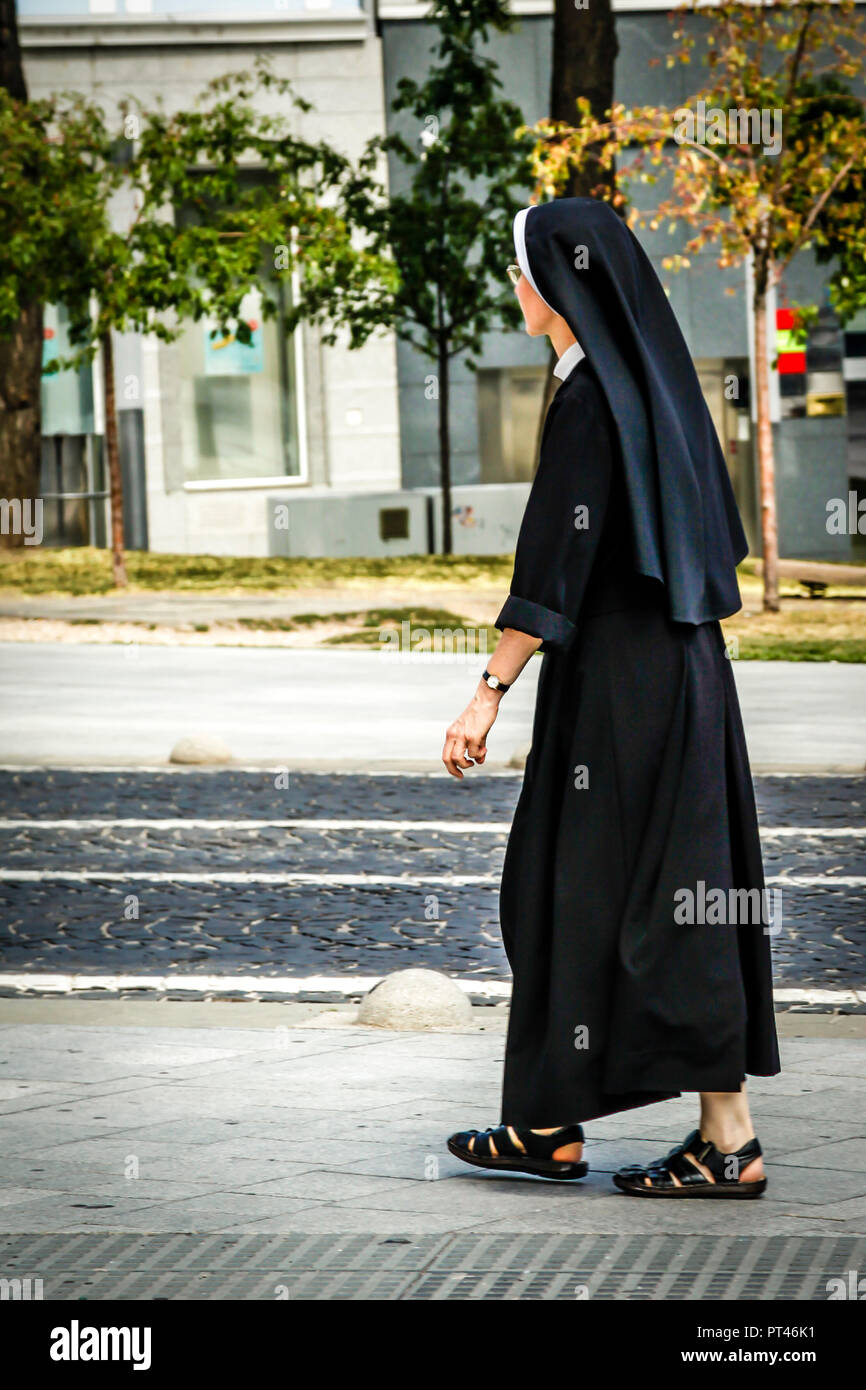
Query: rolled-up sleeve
[(563, 520), (553, 628)]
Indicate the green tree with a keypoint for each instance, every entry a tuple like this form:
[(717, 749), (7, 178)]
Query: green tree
[(223, 197), (832, 243), (53, 194), (458, 177)]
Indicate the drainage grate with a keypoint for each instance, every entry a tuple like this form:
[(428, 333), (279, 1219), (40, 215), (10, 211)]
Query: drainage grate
[(428, 1267)]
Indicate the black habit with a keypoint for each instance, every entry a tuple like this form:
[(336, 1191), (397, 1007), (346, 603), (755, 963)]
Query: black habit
[(637, 790)]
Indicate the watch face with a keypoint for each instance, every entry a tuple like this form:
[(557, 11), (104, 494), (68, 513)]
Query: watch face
[(493, 682)]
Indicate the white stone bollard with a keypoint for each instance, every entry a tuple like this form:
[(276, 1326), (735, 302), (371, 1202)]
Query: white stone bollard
[(200, 748), (415, 1000)]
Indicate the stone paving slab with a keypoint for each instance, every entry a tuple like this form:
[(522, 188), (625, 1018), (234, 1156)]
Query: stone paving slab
[(350, 1137)]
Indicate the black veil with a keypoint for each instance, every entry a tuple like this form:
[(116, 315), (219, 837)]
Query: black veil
[(589, 267)]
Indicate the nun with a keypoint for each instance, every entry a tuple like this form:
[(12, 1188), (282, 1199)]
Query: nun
[(632, 900)]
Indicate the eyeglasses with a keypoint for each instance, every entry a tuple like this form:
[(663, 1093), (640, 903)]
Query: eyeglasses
[(513, 272)]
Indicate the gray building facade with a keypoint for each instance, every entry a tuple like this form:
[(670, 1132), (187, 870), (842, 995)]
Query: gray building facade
[(214, 451)]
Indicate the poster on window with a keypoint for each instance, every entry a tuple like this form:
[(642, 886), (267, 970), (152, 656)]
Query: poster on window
[(226, 355)]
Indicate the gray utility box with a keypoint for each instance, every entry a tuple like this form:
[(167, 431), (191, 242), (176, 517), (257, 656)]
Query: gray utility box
[(811, 468), (321, 522), (485, 517)]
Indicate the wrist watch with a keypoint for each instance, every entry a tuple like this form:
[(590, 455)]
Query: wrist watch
[(495, 683)]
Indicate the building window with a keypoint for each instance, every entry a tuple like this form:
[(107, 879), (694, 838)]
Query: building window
[(510, 400), (239, 403)]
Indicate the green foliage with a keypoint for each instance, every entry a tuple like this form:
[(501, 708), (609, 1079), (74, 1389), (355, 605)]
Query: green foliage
[(840, 235), (224, 196), (55, 181), (232, 197), (790, 59), (461, 170)]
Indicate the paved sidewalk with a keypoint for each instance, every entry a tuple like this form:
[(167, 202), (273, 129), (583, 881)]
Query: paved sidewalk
[(129, 705), (201, 606), (311, 1124)]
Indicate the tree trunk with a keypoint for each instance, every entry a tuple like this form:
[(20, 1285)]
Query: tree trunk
[(112, 456), (21, 352), (584, 51), (766, 462), (20, 412), (444, 451), (11, 69)]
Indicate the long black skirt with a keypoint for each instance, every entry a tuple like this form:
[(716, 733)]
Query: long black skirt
[(637, 791)]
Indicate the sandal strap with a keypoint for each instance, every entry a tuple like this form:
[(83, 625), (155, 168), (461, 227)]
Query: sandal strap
[(534, 1145), (725, 1167), (545, 1145)]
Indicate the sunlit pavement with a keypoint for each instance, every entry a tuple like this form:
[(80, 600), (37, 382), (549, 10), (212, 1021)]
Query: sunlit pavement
[(128, 705), (314, 1126), (158, 1148)]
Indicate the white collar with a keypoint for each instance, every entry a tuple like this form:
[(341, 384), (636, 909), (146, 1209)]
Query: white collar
[(568, 361)]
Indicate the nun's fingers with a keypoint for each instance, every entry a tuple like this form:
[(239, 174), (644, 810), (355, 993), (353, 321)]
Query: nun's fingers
[(454, 754), (447, 756), (476, 748)]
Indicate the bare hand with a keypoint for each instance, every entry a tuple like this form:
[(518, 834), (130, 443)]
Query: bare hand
[(466, 738)]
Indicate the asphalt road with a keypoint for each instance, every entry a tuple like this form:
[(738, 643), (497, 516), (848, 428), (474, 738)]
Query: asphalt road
[(343, 877)]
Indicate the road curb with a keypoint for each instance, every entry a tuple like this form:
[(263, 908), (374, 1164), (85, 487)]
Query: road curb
[(324, 989)]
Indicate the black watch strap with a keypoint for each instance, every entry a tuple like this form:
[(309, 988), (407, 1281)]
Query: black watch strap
[(494, 682)]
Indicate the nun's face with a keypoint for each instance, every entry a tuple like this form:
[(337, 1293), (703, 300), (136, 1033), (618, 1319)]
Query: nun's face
[(538, 316)]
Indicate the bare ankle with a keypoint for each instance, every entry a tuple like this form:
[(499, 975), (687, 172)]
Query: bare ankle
[(728, 1139)]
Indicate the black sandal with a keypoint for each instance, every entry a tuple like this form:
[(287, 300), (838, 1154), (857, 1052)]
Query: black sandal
[(519, 1150), (725, 1169)]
